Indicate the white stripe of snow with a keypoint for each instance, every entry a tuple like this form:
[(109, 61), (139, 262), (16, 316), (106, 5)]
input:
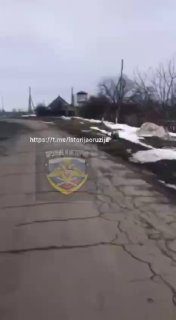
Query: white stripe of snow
[(65, 118), (168, 184), (116, 126), (50, 122), (88, 120), (100, 130)]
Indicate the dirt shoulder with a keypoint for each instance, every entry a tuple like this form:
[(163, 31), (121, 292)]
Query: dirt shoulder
[(9, 133)]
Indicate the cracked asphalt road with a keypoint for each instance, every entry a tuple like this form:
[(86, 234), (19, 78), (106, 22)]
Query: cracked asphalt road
[(105, 252)]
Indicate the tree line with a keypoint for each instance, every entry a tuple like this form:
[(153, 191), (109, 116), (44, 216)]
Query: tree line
[(149, 96)]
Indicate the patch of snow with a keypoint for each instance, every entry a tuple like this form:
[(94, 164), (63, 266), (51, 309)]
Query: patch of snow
[(88, 120), (153, 155), (132, 136), (129, 133), (135, 134), (119, 126), (126, 132), (65, 118), (102, 131), (48, 122), (92, 120), (28, 115), (172, 134), (169, 185)]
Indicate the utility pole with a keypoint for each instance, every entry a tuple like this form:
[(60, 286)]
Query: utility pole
[(30, 103), (2, 103), (121, 91), (72, 97)]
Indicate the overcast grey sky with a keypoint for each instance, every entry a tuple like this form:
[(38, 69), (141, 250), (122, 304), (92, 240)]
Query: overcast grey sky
[(55, 44)]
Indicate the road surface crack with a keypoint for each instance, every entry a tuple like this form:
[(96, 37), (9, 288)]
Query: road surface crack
[(55, 247), (22, 224), (154, 274)]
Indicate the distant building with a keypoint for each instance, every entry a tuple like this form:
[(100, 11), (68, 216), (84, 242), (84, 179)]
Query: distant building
[(81, 98), (61, 107)]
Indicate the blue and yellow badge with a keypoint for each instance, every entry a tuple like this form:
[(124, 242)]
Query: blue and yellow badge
[(67, 174)]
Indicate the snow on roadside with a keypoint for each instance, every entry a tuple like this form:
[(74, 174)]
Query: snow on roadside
[(101, 131), (169, 185), (127, 132), (132, 136), (153, 155), (48, 122), (172, 134), (130, 133), (88, 120), (28, 115), (65, 118), (119, 126)]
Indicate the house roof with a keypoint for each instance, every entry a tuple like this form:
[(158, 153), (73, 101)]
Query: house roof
[(59, 101)]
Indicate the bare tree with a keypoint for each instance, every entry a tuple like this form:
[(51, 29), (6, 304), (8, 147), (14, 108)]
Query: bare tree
[(143, 92), (115, 90), (155, 88), (164, 83), (110, 89)]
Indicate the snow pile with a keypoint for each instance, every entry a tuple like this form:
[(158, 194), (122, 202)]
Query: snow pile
[(150, 129), (153, 155)]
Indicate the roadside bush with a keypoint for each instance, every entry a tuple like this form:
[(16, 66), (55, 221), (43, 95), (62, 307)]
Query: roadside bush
[(41, 110), (94, 108)]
